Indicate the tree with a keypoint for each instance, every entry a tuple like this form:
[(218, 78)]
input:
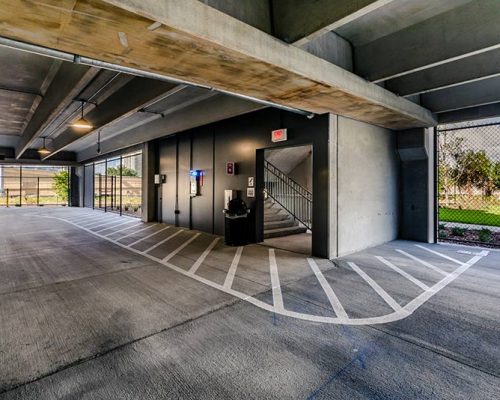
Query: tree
[(474, 169), (60, 184), (450, 150), (115, 171), (496, 175)]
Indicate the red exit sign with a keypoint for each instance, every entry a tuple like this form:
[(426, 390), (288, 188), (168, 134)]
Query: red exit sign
[(279, 135)]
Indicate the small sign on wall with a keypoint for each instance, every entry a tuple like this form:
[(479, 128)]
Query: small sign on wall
[(250, 192), (250, 181), (279, 135), (230, 166)]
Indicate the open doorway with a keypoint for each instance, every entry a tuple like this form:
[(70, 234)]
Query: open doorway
[(288, 198)]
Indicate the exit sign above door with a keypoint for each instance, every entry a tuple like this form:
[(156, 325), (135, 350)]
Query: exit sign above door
[(279, 135)]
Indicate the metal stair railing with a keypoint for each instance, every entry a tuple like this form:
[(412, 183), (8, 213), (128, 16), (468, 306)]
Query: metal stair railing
[(294, 198)]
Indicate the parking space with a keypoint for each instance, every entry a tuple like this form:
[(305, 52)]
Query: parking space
[(82, 287)]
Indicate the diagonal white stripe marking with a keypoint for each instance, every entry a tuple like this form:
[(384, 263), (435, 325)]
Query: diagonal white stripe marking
[(381, 292), (332, 297), (102, 223), (439, 254), (275, 282), (114, 226), (403, 273), (173, 253), (418, 301), (147, 237), (132, 233), (127, 227), (204, 255), (163, 241), (424, 263), (232, 269)]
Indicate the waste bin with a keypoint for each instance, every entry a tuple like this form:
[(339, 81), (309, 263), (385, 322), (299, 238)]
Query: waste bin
[(236, 223)]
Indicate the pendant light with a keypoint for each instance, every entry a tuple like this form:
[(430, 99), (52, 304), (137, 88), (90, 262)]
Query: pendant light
[(82, 123), (44, 151)]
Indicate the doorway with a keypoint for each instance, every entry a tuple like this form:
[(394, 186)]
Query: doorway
[(288, 199)]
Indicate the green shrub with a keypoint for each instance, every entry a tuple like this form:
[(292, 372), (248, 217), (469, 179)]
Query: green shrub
[(456, 231), (442, 226), (485, 235), (443, 233)]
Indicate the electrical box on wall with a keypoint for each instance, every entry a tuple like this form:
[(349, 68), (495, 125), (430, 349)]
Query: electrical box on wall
[(196, 182), (230, 168), (159, 179)]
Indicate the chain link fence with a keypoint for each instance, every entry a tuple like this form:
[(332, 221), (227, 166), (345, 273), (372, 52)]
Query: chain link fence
[(469, 182)]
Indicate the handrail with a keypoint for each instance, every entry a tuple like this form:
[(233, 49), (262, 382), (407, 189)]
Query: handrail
[(294, 198)]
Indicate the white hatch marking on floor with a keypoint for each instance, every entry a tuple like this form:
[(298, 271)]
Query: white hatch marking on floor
[(380, 291), (403, 273), (129, 227), (116, 226), (332, 297), (439, 254), (132, 233), (178, 249), (147, 237), (275, 282), (163, 241), (203, 256), (423, 262), (228, 282), (279, 306)]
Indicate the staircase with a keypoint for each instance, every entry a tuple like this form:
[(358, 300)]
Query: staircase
[(278, 222), (288, 205)]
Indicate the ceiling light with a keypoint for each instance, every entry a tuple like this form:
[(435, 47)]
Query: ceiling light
[(44, 151), (82, 123)]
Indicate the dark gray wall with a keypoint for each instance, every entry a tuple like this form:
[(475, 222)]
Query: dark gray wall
[(88, 195), (239, 139)]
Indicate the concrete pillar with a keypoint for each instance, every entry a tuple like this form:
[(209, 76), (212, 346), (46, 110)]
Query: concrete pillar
[(76, 187), (332, 188), (417, 185), (149, 191)]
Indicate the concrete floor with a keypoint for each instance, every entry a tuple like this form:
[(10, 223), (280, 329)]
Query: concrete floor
[(96, 306), (300, 243)]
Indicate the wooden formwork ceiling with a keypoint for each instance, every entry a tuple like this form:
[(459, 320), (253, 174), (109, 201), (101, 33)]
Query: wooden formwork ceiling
[(190, 41)]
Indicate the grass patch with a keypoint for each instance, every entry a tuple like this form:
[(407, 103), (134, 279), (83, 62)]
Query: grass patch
[(490, 217)]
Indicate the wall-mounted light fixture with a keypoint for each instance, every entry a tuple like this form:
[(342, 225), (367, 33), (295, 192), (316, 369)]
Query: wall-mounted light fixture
[(44, 151), (99, 142), (82, 123)]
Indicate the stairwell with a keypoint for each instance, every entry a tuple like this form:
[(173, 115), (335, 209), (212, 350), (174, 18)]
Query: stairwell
[(277, 222)]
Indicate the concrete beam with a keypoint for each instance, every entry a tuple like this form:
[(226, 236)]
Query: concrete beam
[(460, 33), (299, 22), (133, 96), (332, 48), (470, 114), (66, 85), (471, 69), (191, 41), (213, 109), (473, 94)]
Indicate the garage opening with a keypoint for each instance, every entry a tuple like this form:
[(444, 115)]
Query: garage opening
[(469, 182), (288, 198)]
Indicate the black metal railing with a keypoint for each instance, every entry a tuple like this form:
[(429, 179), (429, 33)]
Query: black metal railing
[(294, 198)]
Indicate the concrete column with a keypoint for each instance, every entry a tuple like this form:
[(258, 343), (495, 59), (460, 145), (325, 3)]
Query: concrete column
[(417, 186), (332, 189), (76, 186), (149, 169)]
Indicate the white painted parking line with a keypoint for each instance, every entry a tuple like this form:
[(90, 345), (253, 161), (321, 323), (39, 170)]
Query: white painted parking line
[(381, 292), (127, 227), (132, 233), (275, 282), (439, 254), (147, 237), (418, 301), (424, 263), (116, 226), (173, 253), (204, 255), (103, 222), (232, 269), (163, 241), (332, 297), (403, 273)]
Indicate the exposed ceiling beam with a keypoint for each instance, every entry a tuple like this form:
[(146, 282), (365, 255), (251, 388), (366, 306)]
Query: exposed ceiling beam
[(473, 94), (299, 22), (463, 32), (191, 41), (66, 85), (481, 66), (212, 109), (136, 94), (470, 114)]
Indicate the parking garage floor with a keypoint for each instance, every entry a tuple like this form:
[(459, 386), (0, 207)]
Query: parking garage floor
[(99, 306)]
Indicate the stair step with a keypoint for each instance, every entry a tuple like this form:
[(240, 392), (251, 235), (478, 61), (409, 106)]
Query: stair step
[(280, 224), (293, 230), (275, 217)]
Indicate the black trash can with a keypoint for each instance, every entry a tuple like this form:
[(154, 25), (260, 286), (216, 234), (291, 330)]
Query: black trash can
[(236, 223)]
